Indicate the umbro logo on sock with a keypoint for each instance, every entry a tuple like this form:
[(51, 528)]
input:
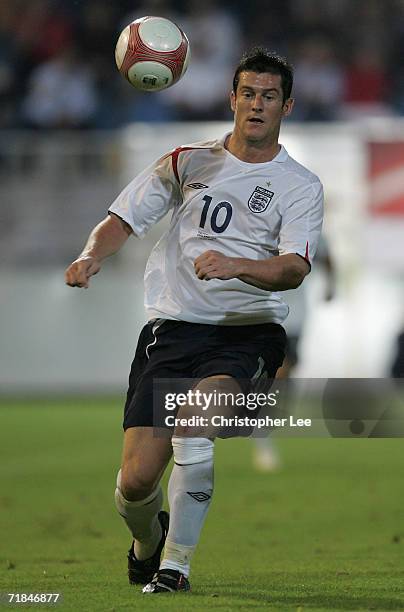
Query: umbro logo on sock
[(200, 496), (197, 185)]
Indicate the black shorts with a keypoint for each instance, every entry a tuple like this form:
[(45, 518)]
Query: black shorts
[(170, 349)]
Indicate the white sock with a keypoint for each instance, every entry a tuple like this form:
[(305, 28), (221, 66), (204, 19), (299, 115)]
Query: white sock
[(141, 519), (189, 493)]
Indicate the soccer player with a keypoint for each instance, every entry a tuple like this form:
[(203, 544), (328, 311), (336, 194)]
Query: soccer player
[(266, 457), (245, 223)]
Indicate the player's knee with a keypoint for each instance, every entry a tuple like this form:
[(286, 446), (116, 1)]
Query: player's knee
[(188, 451), (134, 483)]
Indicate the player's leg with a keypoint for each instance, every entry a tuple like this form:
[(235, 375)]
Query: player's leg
[(139, 498), (190, 492), (138, 495), (266, 456), (144, 459)]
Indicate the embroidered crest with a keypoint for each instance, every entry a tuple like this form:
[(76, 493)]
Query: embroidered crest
[(260, 199)]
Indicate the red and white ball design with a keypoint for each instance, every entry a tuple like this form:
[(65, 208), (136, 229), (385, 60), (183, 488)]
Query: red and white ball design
[(152, 53)]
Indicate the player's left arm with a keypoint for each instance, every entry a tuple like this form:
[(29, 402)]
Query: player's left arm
[(275, 274)]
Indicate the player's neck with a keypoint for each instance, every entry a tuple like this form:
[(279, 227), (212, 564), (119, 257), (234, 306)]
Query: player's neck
[(252, 152)]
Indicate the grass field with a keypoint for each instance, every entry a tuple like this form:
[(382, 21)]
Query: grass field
[(325, 533)]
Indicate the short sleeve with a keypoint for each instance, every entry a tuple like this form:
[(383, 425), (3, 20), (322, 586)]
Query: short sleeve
[(301, 222), (149, 197)]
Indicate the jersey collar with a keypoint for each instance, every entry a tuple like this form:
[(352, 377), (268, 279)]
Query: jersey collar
[(282, 156)]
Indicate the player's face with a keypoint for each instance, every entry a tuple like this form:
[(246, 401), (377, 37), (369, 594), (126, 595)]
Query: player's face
[(259, 107)]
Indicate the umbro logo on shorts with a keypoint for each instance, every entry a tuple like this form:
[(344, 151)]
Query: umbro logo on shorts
[(198, 186), (200, 496)]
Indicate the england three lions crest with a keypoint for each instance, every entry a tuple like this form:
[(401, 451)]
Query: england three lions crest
[(260, 199)]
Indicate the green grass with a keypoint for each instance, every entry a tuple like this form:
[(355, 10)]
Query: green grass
[(325, 533)]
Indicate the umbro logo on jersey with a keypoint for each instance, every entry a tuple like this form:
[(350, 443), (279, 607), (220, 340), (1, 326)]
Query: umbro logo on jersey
[(200, 496), (198, 186), (260, 199)]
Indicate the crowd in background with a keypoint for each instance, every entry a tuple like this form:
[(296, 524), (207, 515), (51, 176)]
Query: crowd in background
[(57, 67)]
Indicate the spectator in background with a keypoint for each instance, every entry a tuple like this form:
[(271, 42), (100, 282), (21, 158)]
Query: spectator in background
[(210, 25), (159, 8), (318, 81), (97, 32), (319, 17), (191, 99), (397, 60), (278, 27), (365, 85), (33, 32), (43, 30), (61, 93), (8, 64), (216, 42), (371, 25)]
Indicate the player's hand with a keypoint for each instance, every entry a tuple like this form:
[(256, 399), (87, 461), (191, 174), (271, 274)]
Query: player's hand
[(79, 272), (213, 264)]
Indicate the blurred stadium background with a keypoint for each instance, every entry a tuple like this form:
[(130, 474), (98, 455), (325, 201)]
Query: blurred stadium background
[(73, 132)]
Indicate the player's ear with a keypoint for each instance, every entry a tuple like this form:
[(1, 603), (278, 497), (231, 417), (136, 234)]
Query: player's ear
[(288, 107), (233, 101)]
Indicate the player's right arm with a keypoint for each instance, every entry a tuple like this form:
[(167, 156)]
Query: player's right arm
[(105, 240), (139, 206)]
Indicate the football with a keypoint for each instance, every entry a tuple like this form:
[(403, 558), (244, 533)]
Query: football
[(152, 53)]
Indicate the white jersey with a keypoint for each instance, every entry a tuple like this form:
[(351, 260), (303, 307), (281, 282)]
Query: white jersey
[(218, 202)]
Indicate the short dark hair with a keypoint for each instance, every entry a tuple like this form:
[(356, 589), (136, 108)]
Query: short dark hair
[(260, 60)]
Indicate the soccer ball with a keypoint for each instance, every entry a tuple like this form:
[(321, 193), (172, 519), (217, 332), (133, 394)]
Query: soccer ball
[(152, 53)]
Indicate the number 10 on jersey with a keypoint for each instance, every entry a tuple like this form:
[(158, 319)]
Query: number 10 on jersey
[(218, 228)]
